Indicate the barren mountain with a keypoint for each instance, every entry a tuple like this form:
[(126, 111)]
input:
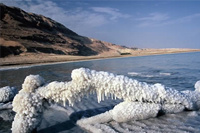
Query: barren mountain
[(23, 32)]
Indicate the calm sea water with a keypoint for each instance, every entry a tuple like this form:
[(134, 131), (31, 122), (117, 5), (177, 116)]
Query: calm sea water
[(178, 71)]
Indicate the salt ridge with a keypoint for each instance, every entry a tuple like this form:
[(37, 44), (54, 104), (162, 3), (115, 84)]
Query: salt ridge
[(141, 100)]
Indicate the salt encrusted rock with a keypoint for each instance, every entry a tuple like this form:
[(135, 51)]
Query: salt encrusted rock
[(28, 106), (172, 108), (86, 81), (5, 106), (197, 86), (194, 96), (126, 111), (141, 100), (122, 87), (7, 115), (32, 82), (7, 93)]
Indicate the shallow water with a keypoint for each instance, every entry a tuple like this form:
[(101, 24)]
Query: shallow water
[(178, 71)]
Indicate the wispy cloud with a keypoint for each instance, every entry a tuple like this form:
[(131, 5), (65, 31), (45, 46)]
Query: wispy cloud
[(77, 18), (113, 12), (152, 19), (155, 17), (184, 19), (74, 18), (160, 19)]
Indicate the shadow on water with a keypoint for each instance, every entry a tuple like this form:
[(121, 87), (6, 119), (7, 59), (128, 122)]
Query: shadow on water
[(70, 125)]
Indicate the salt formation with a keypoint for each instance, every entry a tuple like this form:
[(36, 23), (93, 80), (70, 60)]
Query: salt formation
[(28, 106), (4, 106), (6, 115), (122, 87), (194, 95), (141, 100), (85, 81), (7, 94), (197, 86)]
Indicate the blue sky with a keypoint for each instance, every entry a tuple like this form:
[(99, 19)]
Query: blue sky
[(133, 23)]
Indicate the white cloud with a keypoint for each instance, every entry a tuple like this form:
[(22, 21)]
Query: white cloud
[(159, 19), (152, 19), (183, 19), (78, 19), (114, 13), (155, 17)]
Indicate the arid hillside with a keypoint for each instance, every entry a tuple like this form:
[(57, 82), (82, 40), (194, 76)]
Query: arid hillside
[(28, 38), (27, 33)]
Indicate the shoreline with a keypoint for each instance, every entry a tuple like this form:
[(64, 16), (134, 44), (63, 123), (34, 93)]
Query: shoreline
[(17, 62)]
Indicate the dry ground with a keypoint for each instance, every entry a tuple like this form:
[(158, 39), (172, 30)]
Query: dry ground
[(30, 58)]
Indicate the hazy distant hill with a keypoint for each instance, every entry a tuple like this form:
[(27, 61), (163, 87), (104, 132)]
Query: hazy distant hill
[(23, 32)]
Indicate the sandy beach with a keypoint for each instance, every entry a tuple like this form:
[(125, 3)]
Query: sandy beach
[(30, 58)]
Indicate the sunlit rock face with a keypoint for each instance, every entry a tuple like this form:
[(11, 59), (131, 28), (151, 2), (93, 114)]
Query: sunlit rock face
[(141, 100)]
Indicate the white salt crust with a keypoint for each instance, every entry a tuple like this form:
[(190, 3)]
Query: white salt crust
[(28, 106), (141, 100), (7, 93)]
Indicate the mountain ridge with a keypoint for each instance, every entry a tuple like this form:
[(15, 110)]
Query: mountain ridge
[(23, 32)]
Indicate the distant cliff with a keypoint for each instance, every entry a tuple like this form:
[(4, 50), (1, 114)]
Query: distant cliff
[(23, 32)]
